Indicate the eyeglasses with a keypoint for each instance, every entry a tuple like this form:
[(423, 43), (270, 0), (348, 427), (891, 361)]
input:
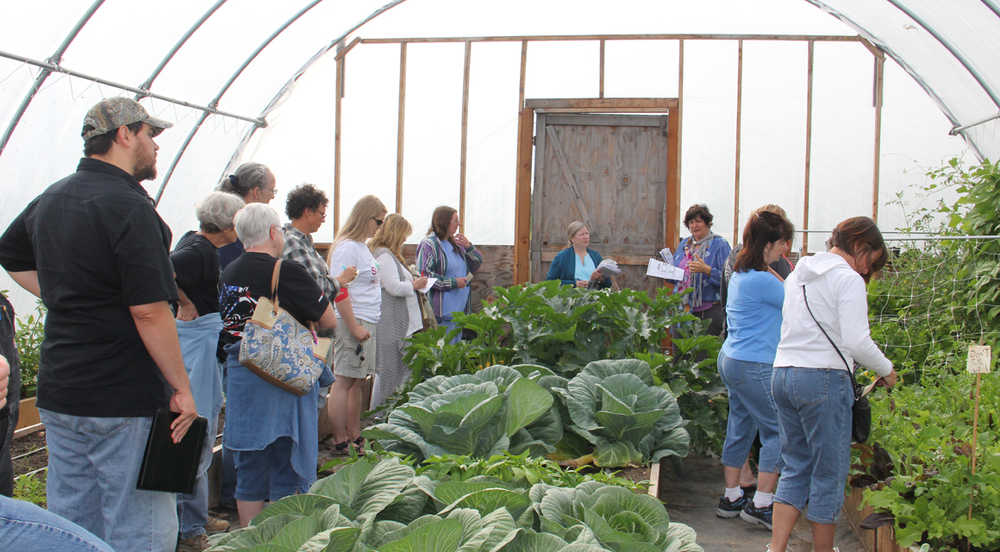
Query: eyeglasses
[(378, 221)]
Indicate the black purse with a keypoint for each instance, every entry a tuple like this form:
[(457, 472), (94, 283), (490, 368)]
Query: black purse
[(861, 412)]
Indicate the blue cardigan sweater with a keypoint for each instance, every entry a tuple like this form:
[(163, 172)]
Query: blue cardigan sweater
[(563, 267)]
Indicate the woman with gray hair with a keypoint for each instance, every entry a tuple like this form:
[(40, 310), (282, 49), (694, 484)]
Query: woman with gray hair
[(253, 183), (196, 271), (271, 431)]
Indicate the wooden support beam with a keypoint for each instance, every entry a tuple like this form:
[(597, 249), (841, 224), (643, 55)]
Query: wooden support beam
[(337, 115), (343, 52), (675, 36), (739, 130), (674, 128), (877, 153), (600, 87), (522, 196), (615, 105), (671, 233), (463, 163), (524, 67), (808, 171), (400, 126)]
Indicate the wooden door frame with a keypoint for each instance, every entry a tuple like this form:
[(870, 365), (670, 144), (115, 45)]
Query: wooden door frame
[(525, 151)]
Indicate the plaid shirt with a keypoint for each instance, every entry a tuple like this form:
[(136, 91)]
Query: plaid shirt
[(299, 248)]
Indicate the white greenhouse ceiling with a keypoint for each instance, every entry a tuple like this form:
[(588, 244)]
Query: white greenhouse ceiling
[(254, 80)]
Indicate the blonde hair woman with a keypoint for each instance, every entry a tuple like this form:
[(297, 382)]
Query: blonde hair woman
[(354, 349), (577, 264), (400, 312)]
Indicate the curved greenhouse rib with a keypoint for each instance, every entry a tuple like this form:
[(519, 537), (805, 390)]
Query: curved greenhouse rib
[(917, 77), (295, 76), (139, 92), (951, 49), (225, 88), (55, 58), (173, 51), (993, 6)]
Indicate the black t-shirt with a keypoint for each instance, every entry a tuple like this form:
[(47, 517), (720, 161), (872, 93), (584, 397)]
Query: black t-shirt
[(196, 269), (229, 253), (99, 247), (249, 277)]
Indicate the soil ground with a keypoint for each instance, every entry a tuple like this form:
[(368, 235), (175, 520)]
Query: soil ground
[(692, 495)]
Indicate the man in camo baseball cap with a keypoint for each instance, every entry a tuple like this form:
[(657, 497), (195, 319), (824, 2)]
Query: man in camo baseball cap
[(111, 113)]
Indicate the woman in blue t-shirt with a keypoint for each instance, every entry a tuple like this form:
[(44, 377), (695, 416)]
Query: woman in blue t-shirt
[(753, 314)]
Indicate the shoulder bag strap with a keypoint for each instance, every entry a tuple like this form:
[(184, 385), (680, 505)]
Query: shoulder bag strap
[(827, 336), (274, 284)]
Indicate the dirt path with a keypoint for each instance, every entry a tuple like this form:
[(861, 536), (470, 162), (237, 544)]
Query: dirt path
[(692, 495)]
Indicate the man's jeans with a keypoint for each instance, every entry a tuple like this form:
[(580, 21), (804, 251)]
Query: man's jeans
[(192, 509), (25, 527), (93, 469)]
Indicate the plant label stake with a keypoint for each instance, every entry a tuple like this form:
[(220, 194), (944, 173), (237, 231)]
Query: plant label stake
[(978, 363)]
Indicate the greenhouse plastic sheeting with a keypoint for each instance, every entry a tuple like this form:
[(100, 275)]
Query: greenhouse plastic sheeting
[(272, 81)]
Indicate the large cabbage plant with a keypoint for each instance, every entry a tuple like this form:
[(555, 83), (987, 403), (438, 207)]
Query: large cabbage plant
[(614, 406), (491, 411), (382, 505)]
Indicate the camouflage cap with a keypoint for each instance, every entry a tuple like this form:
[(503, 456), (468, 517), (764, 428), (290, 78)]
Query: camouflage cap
[(111, 113)]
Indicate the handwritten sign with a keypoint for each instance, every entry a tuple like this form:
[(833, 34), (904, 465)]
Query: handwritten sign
[(979, 359)]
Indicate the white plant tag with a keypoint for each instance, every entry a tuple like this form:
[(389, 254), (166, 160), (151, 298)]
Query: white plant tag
[(979, 359)]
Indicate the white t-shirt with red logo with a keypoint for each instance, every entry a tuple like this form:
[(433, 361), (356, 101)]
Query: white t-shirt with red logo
[(364, 291)]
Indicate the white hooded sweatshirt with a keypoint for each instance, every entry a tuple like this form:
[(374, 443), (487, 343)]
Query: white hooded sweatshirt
[(839, 301)]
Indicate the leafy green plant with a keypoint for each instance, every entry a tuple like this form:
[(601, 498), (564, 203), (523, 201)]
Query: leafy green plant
[(553, 325), (930, 303), (28, 337), (31, 489), (481, 414), (383, 504), (615, 407), (521, 470)]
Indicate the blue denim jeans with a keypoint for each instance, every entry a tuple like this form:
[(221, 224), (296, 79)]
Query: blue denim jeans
[(27, 528), (199, 339), (814, 418), (267, 474), (192, 509), (93, 469), (751, 411)]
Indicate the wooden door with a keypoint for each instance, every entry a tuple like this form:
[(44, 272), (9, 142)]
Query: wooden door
[(609, 171)]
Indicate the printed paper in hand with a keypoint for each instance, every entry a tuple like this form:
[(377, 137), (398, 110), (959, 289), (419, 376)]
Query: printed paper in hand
[(660, 269), (609, 267), (667, 255), (430, 282)]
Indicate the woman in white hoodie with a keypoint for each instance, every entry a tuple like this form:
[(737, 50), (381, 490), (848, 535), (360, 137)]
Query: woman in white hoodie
[(811, 386)]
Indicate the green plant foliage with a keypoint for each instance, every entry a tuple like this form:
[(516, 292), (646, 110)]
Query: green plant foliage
[(549, 324), (28, 337), (614, 405), (31, 489), (930, 304), (353, 511), (479, 414), (565, 328)]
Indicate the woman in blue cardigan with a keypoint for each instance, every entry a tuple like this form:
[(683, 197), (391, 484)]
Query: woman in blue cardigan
[(703, 256), (577, 264)]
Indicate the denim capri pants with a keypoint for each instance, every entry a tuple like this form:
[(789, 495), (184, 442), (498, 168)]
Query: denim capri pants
[(814, 419), (267, 474), (751, 410)]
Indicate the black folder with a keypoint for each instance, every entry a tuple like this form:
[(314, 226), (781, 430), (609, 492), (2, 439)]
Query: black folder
[(167, 466)]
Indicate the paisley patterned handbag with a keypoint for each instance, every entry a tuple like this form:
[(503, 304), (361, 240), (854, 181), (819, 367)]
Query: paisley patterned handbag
[(279, 349)]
